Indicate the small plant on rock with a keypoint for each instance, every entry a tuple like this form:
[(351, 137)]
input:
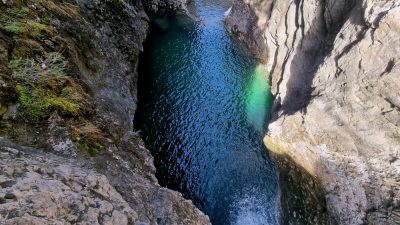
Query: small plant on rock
[(43, 86)]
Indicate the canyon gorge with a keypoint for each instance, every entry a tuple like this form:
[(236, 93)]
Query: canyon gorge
[(334, 74), (79, 130)]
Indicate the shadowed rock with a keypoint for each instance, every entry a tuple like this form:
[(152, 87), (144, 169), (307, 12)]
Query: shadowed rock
[(334, 74)]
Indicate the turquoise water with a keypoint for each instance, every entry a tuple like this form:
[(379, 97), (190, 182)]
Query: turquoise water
[(203, 107)]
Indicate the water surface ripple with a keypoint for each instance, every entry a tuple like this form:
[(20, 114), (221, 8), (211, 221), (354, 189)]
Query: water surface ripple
[(202, 111)]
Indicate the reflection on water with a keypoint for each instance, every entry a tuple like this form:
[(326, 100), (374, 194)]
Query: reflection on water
[(259, 98), (202, 109)]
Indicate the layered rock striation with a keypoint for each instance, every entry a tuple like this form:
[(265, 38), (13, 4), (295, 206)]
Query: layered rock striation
[(335, 76)]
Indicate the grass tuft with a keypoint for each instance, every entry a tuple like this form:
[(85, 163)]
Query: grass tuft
[(88, 137), (44, 87)]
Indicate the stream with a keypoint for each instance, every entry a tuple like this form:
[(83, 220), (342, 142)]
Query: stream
[(203, 108)]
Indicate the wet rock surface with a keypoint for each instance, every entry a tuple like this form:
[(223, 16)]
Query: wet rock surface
[(303, 197), (334, 73)]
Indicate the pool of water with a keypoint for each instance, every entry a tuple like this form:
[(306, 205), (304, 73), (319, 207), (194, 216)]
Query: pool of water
[(203, 107)]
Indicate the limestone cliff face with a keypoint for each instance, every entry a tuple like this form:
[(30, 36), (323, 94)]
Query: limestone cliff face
[(335, 76), (68, 89)]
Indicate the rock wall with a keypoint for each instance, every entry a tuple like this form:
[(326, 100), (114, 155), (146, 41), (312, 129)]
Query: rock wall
[(160, 8), (68, 89), (38, 188), (335, 76), (247, 21)]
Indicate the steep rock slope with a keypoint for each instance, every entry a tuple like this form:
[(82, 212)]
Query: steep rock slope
[(335, 76), (247, 21), (68, 88), (38, 188)]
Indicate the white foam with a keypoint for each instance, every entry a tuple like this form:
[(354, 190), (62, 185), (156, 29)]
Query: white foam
[(228, 12), (253, 210)]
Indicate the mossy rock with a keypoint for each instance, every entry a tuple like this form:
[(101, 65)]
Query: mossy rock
[(29, 28), (8, 93), (27, 48), (88, 137), (44, 86)]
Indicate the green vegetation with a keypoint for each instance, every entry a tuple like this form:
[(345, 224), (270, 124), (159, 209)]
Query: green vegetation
[(132, 165), (12, 13), (40, 73), (15, 27), (92, 148), (44, 86), (27, 28), (5, 127), (88, 137)]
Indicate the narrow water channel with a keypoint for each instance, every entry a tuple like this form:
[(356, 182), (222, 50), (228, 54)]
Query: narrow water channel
[(203, 107)]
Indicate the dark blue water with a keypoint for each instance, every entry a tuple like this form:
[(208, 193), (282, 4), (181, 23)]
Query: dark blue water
[(203, 107)]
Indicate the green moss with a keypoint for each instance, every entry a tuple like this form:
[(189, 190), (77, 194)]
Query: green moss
[(15, 28), (44, 87), (37, 103), (64, 105), (68, 91), (132, 165), (5, 127), (17, 12), (37, 30), (19, 20), (31, 104), (3, 109), (27, 28), (13, 13), (88, 137), (27, 48), (92, 148)]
